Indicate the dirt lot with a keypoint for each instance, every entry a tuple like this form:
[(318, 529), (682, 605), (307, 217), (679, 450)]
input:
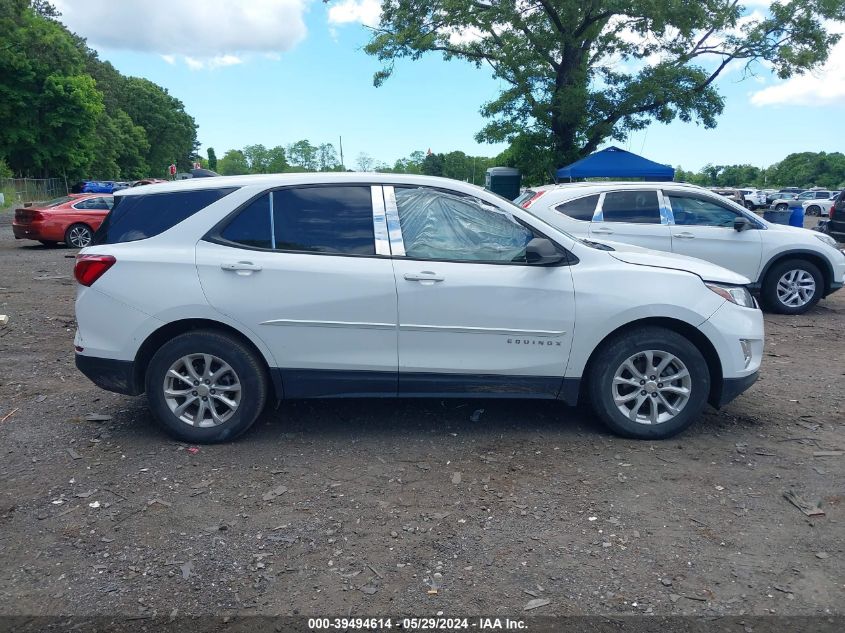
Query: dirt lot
[(367, 507)]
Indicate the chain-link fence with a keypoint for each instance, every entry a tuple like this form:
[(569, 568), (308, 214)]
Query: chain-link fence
[(19, 190)]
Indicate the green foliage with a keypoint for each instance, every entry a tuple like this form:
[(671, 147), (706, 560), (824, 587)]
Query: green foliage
[(804, 169), (233, 163), (579, 73), (302, 155), (171, 131), (5, 171), (212, 159), (63, 111)]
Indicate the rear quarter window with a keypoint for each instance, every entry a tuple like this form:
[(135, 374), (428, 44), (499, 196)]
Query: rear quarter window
[(139, 217)]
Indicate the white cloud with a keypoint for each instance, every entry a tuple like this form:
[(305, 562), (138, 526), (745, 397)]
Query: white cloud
[(206, 33), (367, 12), (170, 59), (824, 86)]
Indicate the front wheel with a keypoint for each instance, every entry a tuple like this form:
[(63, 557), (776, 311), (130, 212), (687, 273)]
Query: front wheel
[(206, 387), (792, 287), (749, 205), (814, 210), (781, 207), (649, 383), (78, 236)]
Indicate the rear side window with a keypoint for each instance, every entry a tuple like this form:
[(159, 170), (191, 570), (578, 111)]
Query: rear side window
[(139, 217), (637, 207), (580, 209), (333, 220)]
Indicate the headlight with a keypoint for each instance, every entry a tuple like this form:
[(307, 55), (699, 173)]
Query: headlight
[(735, 294), (825, 238)]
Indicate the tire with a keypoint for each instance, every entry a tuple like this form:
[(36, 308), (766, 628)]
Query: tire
[(49, 243), (78, 235), (245, 370), (610, 362), (781, 207), (750, 205), (773, 292)]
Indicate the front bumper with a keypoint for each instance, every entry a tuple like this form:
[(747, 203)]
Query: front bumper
[(110, 374), (731, 388)]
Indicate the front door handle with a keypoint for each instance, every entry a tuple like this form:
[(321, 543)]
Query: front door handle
[(424, 276), (602, 232), (685, 236), (241, 267)]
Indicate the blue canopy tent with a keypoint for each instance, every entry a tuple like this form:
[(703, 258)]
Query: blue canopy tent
[(614, 162)]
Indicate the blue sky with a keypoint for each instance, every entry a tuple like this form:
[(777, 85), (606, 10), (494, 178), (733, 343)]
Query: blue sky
[(284, 70)]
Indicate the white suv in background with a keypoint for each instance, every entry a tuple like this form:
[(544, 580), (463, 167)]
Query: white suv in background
[(216, 295), (792, 268), (754, 198)]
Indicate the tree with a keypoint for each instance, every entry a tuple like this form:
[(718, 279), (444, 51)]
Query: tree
[(233, 163), (171, 132), (578, 73), (276, 160), (364, 162), (257, 158), (212, 159), (327, 158), (303, 155)]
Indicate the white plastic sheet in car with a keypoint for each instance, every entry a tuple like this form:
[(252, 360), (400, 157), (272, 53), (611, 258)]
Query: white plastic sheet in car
[(439, 225)]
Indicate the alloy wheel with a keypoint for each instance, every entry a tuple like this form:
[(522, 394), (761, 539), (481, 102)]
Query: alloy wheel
[(796, 288), (651, 387), (202, 390), (79, 236)]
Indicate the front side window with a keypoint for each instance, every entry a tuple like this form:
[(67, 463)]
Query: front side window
[(636, 207), (691, 210), (335, 219), (331, 220), (579, 209), (445, 226)]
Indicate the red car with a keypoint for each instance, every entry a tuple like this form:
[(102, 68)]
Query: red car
[(72, 219)]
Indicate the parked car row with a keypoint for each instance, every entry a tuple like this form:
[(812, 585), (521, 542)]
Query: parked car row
[(110, 186), (790, 268)]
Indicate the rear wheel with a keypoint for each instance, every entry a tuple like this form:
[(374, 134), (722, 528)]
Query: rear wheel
[(792, 287), (78, 236), (206, 387), (749, 205), (814, 209), (781, 207), (649, 383)]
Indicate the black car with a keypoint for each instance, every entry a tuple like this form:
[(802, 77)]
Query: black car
[(836, 225)]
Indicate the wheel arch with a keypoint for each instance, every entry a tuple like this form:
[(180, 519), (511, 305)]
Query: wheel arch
[(690, 332), (819, 261), (159, 337)]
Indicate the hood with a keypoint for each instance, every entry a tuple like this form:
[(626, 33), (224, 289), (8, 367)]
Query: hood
[(660, 259)]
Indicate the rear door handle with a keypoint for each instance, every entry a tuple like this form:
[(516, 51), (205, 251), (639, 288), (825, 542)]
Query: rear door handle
[(241, 267), (424, 276), (684, 236), (602, 232)]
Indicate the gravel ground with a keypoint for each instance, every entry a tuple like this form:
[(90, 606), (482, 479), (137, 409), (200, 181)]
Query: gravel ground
[(411, 507)]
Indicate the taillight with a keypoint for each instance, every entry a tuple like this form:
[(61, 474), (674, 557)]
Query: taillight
[(532, 199), (89, 268)]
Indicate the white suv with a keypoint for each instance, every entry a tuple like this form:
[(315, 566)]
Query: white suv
[(791, 268), (216, 295)]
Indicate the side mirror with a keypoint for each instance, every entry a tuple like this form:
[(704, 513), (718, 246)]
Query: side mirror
[(741, 223), (542, 251)]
